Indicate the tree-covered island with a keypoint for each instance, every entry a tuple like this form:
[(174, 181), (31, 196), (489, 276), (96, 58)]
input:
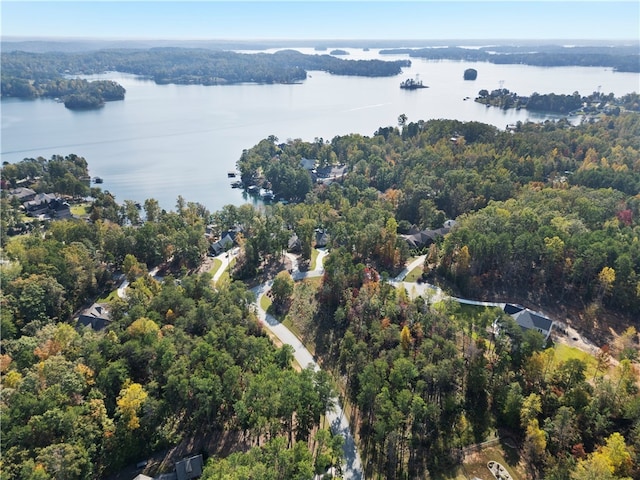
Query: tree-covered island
[(74, 93), (619, 58), (31, 75), (546, 217)]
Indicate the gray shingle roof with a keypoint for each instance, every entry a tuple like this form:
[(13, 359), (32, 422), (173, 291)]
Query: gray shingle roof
[(532, 320)]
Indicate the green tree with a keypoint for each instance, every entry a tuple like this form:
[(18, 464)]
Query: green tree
[(64, 460), (282, 289), (152, 210)]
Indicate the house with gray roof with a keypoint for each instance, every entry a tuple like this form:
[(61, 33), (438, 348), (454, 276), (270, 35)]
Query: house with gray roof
[(226, 241), (424, 238), (186, 469), (97, 317), (189, 468), (23, 194), (308, 163), (530, 320), (321, 238)]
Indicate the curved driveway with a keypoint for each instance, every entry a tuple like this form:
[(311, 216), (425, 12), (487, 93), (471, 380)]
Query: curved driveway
[(352, 470), (432, 292), (335, 415), (338, 421)]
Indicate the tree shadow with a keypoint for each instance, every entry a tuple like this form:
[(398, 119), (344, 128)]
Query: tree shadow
[(510, 448)]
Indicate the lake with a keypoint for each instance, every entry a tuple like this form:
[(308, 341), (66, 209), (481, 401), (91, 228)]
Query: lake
[(168, 140)]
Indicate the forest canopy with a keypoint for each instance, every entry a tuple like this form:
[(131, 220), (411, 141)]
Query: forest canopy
[(183, 66), (622, 59), (546, 215)]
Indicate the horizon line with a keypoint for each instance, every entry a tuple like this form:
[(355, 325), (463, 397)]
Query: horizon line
[(318, 39)]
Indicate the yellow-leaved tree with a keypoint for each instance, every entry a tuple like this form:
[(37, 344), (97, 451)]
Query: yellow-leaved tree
[(611, 461), (130, 401)]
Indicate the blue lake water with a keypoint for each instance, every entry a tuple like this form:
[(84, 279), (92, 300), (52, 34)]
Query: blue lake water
[(168, 140)]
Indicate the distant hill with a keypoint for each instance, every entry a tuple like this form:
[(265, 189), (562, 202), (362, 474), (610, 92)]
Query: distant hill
[(62, 44)]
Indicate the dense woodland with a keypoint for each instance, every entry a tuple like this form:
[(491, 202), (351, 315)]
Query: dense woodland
[(592, 104), (621, 59), (30, 74), (74, 93), (548, 216)]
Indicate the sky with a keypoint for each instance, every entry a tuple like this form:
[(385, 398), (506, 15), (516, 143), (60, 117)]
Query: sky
[(317, 19)]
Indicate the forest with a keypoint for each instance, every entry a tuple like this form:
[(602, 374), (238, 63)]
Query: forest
[(592, 104), (624, 59), (179, 66), (547, 217), (74, 93)]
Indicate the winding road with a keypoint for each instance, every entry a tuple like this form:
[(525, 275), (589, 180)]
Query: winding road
[(352, 469)]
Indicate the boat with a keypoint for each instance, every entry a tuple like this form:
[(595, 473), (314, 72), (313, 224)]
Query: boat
[(97, 180), (236, 184), (231, 174), (411, 84)]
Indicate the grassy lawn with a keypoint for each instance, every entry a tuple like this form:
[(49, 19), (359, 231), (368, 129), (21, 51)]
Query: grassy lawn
[(225, 277), (217, 263), (296, 331), (80, 210), (475, 464), (314, 282), (562, 353), (414, 274), (265, 303), (112, 296), (314, 259)]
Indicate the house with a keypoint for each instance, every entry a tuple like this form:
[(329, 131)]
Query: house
[(222, 245), (266, 194), (449, 223), (322, 238), (327, 175), (47, 205), (39, 204), (307, 163), (294, 245), (59, 209), (226, 241), (185, 469), (424, 238), (530, 320), (189, 468), (97, 317), (22, 194)]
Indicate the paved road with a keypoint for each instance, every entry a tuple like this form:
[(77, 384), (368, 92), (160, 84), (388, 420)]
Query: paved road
[(352, 469), (431, 292), (434, 294), (338, 421), (225, 258), (122, 289)]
